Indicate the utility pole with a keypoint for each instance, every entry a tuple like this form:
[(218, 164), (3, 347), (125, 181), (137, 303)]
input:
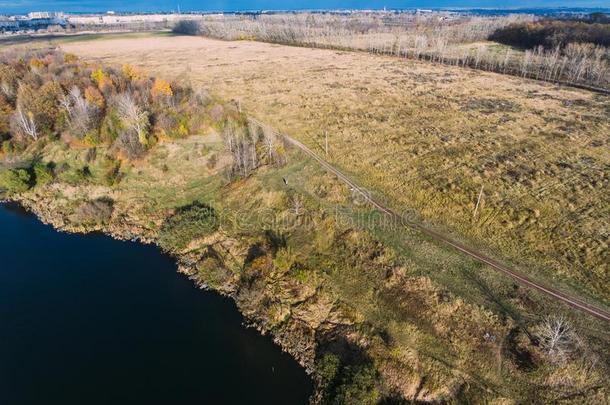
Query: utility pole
[(476, 208)]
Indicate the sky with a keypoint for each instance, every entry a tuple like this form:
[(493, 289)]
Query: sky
[(22, 6)]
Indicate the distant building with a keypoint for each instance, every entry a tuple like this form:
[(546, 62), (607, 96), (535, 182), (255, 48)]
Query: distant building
[(114, 19), (8, 24), (44, 15)]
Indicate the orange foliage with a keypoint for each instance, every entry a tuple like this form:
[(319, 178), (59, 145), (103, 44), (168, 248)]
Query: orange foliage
[(132, 72), (161, 88), (36, 63), (261, 265), (100, 78), (94, 96)]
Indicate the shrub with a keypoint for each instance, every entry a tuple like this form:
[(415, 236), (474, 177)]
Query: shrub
[(327, 368), (161, 88), (212, 161), (187, 27), (74, 175), (7, 147), (14, 181), (112, 173), (111, 126), (358, 386), (94, 212), (170, 123), (188, 223), (70, 58), (43, 174)]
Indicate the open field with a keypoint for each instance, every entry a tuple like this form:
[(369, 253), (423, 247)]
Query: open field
[(446, 38), (428, 137), (38, 40)]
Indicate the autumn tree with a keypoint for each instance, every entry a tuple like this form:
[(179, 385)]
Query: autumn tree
[(131, 72), (161, 89), (6, 111), (9, 82), (103, 81), (36, 110)]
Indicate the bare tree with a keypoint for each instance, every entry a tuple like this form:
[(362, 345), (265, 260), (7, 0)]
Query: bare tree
[(242, 147), (297, 205), (134, 116), (26, 123), (7, 89), (557, 338), (81, 113)]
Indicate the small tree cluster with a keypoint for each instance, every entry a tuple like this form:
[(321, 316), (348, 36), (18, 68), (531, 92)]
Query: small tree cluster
[(48, 94), (187, 223), (552, 33), (251, 146), (94, 212)]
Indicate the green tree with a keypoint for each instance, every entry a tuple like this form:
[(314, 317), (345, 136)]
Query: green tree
[(42, 174), (14, 181), (188, 223)]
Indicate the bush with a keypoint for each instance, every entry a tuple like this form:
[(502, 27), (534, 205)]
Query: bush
[(94, 212), (7, 147), (112, 172), (74, 175), (43, 174), (14, 181), (358, 386), (188, 223), (187, 27), (327, 368)]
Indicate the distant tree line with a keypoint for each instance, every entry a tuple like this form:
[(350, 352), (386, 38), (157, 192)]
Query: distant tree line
[(567, 51), (553, 33)]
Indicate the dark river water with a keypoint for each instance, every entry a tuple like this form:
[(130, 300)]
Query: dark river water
[(91, 320)]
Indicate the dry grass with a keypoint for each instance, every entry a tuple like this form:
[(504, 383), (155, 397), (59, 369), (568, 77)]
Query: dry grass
[(427, 137)]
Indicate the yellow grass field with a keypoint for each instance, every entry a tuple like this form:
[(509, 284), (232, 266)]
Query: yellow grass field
[(427, 137)]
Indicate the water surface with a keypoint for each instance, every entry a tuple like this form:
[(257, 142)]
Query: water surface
[(85, 319)]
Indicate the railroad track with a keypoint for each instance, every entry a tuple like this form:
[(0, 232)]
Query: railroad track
[(494, 264)]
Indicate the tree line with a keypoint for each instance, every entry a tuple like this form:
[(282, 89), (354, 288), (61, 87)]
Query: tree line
[(582, 58), (551, 33)]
